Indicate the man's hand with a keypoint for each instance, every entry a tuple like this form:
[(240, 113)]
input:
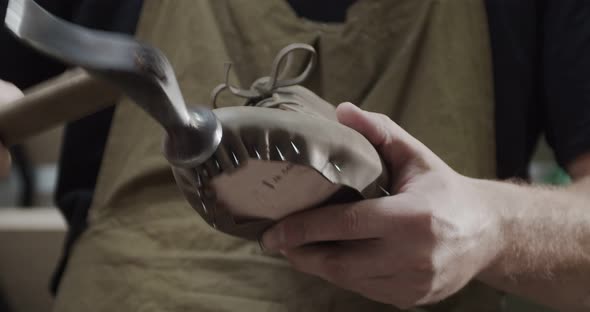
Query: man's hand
[(8, 93), (418, 246)]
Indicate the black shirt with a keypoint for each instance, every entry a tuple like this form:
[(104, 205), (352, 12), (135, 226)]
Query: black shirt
[(541, 56)]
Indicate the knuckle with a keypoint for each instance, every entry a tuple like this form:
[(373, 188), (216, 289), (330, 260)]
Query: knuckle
[(285, 234), (352, 223), (425, 222), (385, 124)]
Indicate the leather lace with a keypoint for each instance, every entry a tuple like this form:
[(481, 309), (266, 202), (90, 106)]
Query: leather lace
[(264, 87)]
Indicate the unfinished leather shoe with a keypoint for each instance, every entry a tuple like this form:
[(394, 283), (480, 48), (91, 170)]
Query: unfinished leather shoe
[(282, 152)]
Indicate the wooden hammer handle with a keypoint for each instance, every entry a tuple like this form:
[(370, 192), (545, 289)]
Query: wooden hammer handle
[(68, 97)]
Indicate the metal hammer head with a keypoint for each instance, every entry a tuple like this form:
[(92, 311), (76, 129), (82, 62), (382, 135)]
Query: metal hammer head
[(141, 71)]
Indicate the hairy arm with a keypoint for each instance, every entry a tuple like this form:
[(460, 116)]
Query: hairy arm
[(546, 240)]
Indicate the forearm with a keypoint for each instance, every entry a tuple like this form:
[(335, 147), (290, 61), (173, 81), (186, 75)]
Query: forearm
[(545, 250)]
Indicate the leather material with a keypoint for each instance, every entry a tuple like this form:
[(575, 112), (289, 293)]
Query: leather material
[(293, 127)]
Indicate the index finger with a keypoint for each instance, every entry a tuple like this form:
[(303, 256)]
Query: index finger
[(354, 221)]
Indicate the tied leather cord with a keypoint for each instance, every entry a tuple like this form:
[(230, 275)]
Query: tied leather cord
[(264, 87)]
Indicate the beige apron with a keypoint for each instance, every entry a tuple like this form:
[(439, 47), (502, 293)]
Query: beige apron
[(424, 63)]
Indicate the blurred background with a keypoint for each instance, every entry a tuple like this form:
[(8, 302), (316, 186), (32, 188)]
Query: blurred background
[(31, 229)]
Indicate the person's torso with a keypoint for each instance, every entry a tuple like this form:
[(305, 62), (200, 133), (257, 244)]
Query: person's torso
[(426, 64)]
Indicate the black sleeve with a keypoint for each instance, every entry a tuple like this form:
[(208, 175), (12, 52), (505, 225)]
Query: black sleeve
[(85, 140), (514, 35), (566, 65), (21, 65)]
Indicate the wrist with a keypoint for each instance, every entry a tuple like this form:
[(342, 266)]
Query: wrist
[(491, 197)]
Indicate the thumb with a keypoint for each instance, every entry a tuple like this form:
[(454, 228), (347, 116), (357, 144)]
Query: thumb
[(372, 126), (393, 143)]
